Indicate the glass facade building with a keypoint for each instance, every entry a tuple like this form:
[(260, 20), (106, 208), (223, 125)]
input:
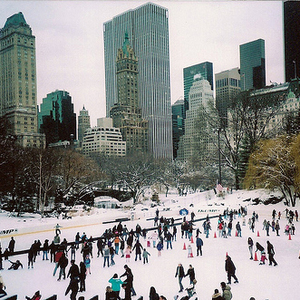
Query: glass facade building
[(205, 69), (148, 31), (292, 39), (252, 65)]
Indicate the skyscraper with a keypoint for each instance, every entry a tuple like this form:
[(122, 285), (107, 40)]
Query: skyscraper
[(227, 87), (57, 119), (148, 32), (127, 114), (18, 80), (84, 122), (292, 39), (200, 95), (205, 69), (252, 65)]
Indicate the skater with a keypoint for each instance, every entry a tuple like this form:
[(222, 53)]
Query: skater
[(45, 249), (109, 294), (2, 287), (11, 245), (106, 253), (180, 274), (217, 295), (57, 230), (159, 247), (277, 228), (146, 254), (259, 247), (87, 262), (199, 244), (153, 294), (116, 284), (73, 271), (250, 246), (129, 279), (191, 274), (271, 254), (138, 250), (230, 269), (100, 247), (36, 296), (63, 262), (238, 229), (263, 258), (227, 295), (82, 276), (73, 287), (15, 265)]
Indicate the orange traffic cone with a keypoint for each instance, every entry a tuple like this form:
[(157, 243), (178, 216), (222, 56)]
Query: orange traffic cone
[(257, 233), (192, 241), (290, 237), (184, 247), (190, 252), (255, 257), (236, 234), (215, 235)]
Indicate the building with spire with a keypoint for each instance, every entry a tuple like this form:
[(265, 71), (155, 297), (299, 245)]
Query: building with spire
[(148, 32), (57, 119), (84, 122), (18, 94), (126, 113)]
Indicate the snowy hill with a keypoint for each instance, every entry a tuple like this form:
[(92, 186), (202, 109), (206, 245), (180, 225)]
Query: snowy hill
[(260, 281)]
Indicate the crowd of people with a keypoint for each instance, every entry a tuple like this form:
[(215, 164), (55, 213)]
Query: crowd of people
[(132, 245)]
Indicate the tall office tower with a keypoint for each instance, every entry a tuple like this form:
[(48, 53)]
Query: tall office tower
[(179, 109), (57, 119), (84, 122), (292, 39), (205, 69), (252, 65), (227, 87), (200, 95), (18, 80), (148, 32), (126, 113)]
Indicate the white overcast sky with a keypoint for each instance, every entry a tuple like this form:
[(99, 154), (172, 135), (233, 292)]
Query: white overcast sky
[(69, 41)]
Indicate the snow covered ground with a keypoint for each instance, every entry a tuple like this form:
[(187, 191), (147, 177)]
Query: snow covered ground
[(260, 281)]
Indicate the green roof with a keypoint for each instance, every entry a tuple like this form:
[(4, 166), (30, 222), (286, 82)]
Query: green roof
[(126, 42), (15, 20)]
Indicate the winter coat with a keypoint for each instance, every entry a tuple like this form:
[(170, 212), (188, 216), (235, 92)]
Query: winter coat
[(199, 242), (63, 261), (217, 296), (159, 246), (259, 247), (270, 249), (227, 293), (115, 284), (191, 273), (229, 266), (179, 271)]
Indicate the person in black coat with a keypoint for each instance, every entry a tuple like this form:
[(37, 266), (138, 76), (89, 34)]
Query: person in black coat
[(153, 295), (217, 295), (73, 287), (73, 271), (138, 250), (271, 254), (82, 276), (230, 269), (191, 274), (129, 280), (180, 274)]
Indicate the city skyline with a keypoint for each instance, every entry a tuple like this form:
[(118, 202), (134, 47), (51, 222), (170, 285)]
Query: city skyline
[(70, 53)]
